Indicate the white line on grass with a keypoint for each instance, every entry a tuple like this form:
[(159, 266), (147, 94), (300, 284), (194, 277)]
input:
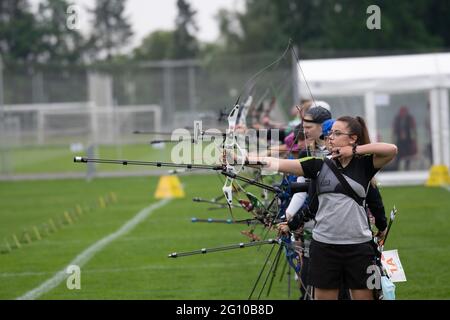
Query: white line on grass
[(446, 187), (87, 254)]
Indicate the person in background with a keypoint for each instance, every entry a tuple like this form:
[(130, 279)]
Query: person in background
[(405, 137), (312, 120)]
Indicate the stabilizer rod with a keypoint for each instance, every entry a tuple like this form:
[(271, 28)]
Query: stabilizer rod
[(147, 163), (223, 248)]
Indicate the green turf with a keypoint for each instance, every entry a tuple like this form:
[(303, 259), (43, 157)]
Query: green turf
[(136, 266), (420, 233)]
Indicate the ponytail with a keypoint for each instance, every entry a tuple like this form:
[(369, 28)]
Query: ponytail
[(365, 138), (357, 126)]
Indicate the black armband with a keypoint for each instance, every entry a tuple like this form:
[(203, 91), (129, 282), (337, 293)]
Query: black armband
[(295, 222), (303, 215), (354, 149)]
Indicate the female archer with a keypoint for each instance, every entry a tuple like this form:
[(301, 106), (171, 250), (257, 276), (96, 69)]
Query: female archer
[(341, 239)]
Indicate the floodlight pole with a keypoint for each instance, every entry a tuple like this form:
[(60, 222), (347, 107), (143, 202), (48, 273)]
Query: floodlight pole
[(2, 121)]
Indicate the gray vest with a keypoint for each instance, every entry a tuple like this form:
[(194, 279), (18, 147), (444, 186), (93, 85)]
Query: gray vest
[(339, 219)]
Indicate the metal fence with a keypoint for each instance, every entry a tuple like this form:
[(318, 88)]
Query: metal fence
[(185, 85), (54, 106)]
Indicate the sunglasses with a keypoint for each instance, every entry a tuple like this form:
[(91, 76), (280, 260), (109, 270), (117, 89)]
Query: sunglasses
[(337, 134)]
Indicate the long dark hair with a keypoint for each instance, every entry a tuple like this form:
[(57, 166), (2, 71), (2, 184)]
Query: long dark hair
[(357, 126)]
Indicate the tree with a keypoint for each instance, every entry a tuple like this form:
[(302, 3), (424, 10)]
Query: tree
[(111, 30), (156, 46), (19, 34), (58, 42), (230, 31), (402, 26), (261, 27), (436, 20), (337, 25), (185, 45)]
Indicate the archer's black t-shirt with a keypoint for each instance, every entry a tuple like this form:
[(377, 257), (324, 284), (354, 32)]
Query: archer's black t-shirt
[(339, 219)]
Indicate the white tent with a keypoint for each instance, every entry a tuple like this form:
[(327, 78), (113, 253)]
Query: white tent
[(370, 77)]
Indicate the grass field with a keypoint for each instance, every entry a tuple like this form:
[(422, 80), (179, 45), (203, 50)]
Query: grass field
[(135, 266)]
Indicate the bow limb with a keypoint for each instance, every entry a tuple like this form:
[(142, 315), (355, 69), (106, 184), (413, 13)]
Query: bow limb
[(237, 119), (292, 256)]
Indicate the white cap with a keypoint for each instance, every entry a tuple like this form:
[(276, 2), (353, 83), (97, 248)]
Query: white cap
[(320, 103)]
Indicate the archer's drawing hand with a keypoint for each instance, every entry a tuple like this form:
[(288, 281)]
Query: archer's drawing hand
[(338, 152)]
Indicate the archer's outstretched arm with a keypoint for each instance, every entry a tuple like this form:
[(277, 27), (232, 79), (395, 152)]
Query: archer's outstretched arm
[(279, 165)]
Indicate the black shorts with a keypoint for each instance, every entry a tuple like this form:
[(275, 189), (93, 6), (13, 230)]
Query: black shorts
[(332, 265)]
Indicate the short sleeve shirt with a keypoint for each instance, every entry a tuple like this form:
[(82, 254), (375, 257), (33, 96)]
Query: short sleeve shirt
[(339, 219)]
